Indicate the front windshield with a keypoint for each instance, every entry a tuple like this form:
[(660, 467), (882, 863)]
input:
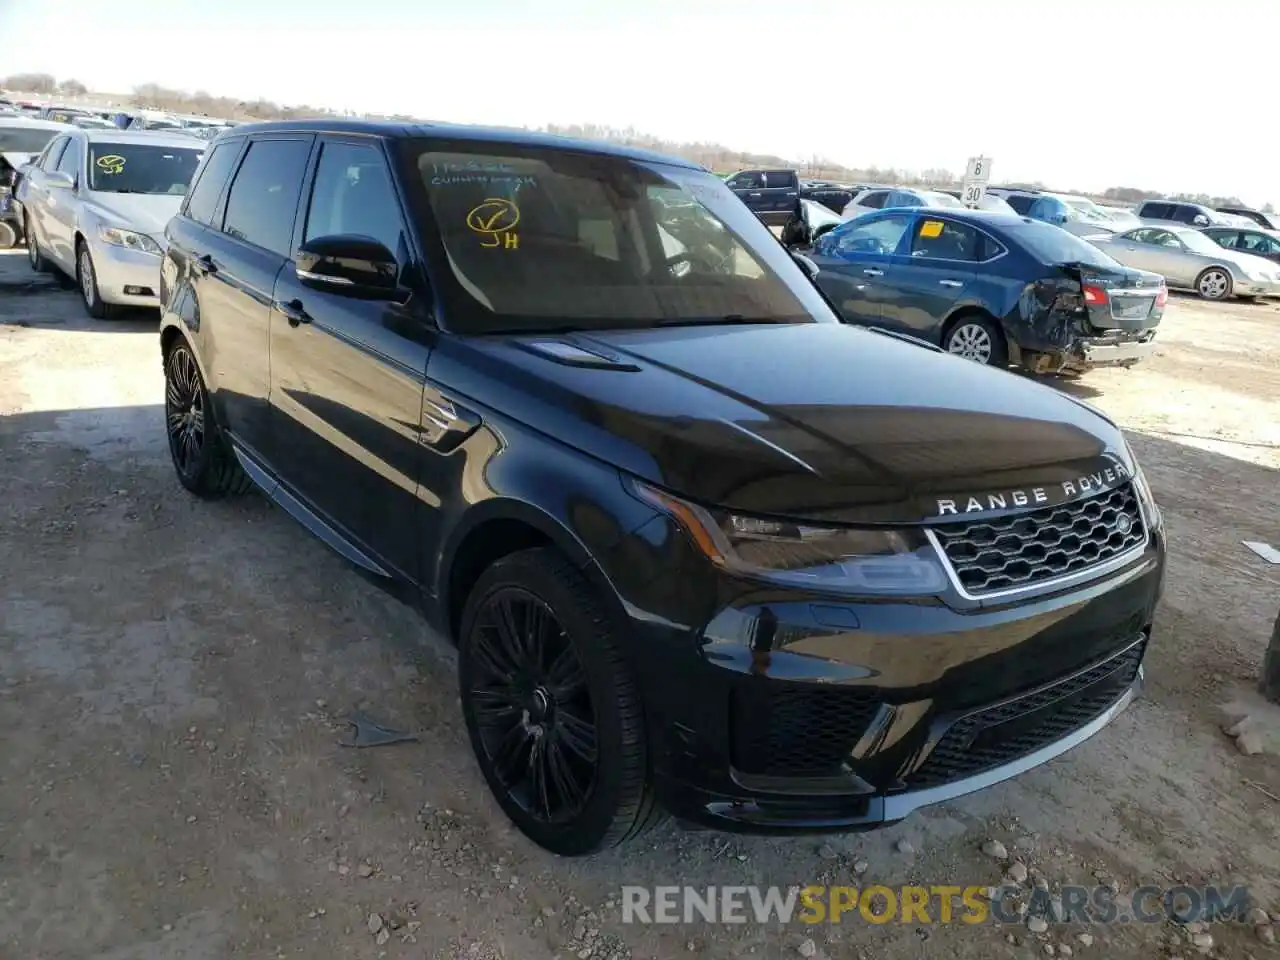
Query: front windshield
[(1052, 244), (540, 239), (141, 168), (24, 139)]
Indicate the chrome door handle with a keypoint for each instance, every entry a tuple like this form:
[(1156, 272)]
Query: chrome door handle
[(951, 283), (873, 272)]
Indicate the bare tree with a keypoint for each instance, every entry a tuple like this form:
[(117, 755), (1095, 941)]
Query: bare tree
[(32, 82)]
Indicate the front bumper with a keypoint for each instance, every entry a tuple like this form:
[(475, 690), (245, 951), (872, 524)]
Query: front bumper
[(126, 277), (856, 714), (1244, 287)]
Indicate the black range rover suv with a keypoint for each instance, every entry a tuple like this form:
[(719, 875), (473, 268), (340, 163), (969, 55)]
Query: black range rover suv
[(704, 549)]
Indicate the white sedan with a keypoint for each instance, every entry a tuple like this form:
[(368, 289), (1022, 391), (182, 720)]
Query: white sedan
[(95, 206)]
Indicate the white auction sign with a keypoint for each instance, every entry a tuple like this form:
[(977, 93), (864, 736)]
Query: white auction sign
[(977, 174)]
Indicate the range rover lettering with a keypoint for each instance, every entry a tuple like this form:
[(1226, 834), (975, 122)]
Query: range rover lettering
[(704, 549)]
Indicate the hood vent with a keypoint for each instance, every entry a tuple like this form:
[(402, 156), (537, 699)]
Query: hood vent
[(574, 355)]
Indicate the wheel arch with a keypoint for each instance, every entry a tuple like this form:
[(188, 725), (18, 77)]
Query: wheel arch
[(970, 310), (497, 528)]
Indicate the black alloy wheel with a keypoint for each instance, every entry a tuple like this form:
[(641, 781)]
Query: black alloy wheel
[(204, 464), (551, 706), (535, 717), (184, 411)]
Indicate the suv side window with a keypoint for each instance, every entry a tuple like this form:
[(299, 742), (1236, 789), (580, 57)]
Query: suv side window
[(353, 195), (72, 159), (53, 153), (945, 240), (202, 200), (1260, 244), (264, 194)]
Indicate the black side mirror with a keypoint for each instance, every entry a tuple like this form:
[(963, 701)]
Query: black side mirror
[(350, 265)]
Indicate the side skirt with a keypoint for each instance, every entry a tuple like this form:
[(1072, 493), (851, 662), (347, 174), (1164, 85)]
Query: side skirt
[(276, 492)]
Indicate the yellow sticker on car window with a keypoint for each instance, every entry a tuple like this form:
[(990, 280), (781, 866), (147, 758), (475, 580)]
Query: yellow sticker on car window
[(930, 229), (111, 164)]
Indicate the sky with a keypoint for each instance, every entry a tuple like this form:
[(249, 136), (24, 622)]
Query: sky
[(1179, 95)]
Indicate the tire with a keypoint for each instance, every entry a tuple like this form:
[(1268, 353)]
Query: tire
[(572, 706), (977, 338), (87, 281), (201, 457), (8, 235), (34, 257), (1214, 284)]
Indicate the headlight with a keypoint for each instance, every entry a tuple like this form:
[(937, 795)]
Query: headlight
[(1147, 500), (119, 237), (897, 562)]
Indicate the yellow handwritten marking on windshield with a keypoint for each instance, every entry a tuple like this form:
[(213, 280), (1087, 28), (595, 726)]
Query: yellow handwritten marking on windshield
[(111, 163), (930, 229), (495, 221)]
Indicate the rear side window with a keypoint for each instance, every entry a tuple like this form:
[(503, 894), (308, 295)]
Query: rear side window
[(203, 199), (945, 240), (353, 195), (264, 194), (747, 180), (1020, 202)]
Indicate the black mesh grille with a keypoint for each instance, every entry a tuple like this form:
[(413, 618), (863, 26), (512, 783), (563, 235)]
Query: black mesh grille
[(1004, 733), (794, 729), (1026, 549)]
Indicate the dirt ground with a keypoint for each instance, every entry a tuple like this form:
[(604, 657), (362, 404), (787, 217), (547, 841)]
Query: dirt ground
[(174, 675)]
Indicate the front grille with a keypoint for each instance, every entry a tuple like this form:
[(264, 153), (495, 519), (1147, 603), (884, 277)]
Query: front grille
[(1029, 548), (796, 729), (1004, 733)]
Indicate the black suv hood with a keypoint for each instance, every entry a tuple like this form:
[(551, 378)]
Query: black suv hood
[(820, 421)]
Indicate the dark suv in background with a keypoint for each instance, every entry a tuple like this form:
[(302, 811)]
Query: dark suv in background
[(702, 547), (772, 195), (1171, 211)]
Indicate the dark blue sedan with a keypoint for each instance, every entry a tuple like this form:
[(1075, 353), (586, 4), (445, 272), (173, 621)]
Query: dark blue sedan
[(991, 287)]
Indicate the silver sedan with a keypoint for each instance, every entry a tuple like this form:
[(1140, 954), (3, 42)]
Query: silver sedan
[(95, 207), (1189, 260)]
